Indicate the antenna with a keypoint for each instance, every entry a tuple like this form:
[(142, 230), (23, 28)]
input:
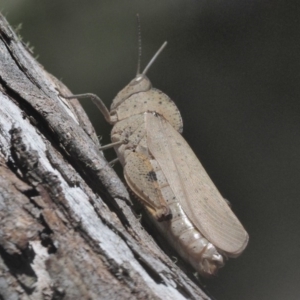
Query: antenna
[(154, 58), (139, 45)]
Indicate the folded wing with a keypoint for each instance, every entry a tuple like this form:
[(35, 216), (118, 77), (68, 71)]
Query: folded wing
[(200, 199)]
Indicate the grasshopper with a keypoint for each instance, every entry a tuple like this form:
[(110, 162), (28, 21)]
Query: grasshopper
[(164, 173)]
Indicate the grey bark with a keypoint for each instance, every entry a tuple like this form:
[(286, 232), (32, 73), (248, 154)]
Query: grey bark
[(67, 230)]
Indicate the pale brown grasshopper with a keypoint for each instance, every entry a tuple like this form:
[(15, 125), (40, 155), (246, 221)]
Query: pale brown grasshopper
[(164, 173)]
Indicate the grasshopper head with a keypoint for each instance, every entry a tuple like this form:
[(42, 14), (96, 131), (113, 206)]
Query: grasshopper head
[(139, 84)]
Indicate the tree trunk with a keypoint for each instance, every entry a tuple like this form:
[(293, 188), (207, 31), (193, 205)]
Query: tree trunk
[(58, 238)]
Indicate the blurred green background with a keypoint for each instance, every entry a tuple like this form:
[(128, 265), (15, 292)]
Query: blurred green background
[(232, 67)]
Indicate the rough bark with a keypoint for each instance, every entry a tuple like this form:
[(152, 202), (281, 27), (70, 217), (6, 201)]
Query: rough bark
[(66, 228)]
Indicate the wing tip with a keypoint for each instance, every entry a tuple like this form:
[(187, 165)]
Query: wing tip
[(238, 249)]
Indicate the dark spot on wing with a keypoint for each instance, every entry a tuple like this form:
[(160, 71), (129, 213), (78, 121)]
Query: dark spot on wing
[(151, 176)]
